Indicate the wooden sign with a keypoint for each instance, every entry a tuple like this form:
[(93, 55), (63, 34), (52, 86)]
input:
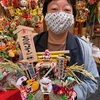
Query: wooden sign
[(25, 38), (31, 70), (60, 66), (72, 84)]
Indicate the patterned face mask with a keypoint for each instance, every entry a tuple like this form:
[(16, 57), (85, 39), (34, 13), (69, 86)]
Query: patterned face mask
[(59, 22)]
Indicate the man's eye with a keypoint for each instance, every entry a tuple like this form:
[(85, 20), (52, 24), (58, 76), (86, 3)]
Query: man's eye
[(54, 9), (67, 10)]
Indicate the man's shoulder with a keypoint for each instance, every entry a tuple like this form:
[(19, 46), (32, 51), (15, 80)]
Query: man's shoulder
[(87, 46), (82, 40), (38, 36)]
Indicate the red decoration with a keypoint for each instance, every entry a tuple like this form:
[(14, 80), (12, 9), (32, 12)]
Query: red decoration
[(63, 90), (16, 3)]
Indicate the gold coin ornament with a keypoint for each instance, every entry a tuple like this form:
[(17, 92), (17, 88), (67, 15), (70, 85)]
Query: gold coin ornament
[(34, 85)]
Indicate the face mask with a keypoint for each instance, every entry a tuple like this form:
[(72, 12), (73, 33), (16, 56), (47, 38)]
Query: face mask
[(59, 22)]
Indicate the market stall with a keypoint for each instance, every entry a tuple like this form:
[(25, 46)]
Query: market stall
[(29, 75)]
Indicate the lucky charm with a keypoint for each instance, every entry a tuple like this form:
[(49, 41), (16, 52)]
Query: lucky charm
[(24, 4), (46, 85), (32, 85)]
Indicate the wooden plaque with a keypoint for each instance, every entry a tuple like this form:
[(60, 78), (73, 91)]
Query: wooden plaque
[(25, 38)]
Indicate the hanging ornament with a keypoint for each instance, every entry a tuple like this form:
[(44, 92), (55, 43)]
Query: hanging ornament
[(82, 11), (33, 3), (24, 4), (92, 1)]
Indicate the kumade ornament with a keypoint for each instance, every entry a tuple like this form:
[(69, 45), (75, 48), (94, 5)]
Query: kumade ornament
[(66, 89), (45, 87), (82, 11), (24, 4)]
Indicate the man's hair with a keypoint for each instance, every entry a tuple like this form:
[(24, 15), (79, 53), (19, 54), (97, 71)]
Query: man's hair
[(46, 2)]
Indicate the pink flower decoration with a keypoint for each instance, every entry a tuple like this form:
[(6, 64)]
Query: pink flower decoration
[(92, 1)]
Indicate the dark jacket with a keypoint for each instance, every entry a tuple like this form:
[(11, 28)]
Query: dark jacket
[(72, 44)]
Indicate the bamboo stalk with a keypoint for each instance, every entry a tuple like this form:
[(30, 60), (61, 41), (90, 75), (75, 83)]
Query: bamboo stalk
[(54, 60), (53, 56), (54, 52)]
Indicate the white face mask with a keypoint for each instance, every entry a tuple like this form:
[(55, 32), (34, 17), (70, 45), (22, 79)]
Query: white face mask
[(59, 22)]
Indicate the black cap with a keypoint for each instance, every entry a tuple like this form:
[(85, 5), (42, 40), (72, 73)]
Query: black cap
[(46, 2)]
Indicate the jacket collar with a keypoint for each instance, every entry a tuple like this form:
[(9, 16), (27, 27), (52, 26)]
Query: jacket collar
[(70, 41), (43, 41)]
